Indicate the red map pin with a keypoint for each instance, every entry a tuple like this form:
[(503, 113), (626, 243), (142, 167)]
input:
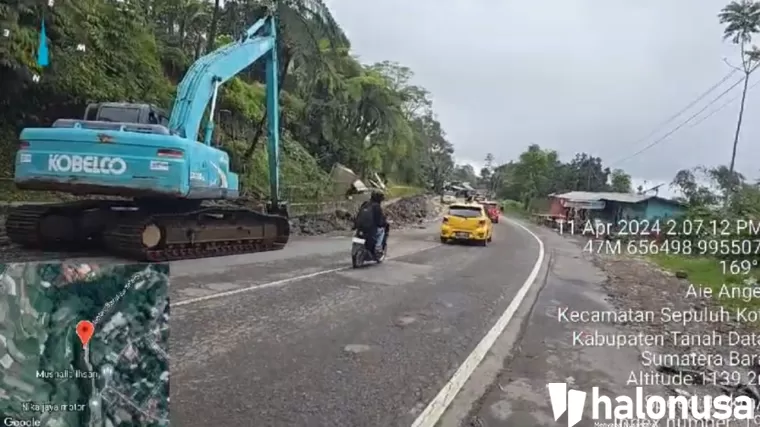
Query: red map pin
[(85, 329)]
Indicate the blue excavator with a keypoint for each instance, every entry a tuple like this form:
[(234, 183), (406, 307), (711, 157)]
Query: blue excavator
[(163, 194)]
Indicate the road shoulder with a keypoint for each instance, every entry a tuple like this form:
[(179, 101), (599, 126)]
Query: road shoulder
[(510, 386)]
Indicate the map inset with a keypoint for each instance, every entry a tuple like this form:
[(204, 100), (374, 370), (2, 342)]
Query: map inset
[(49, 378)]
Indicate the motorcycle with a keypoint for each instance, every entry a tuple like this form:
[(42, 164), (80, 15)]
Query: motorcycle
[(360, 252)]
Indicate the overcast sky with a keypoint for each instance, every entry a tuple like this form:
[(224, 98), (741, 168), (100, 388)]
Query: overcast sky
[(572, 75)]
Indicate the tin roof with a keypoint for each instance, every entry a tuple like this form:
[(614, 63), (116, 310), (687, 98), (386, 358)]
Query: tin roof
[(588, 196)]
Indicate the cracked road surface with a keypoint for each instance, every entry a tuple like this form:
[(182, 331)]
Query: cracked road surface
[(254, 345)]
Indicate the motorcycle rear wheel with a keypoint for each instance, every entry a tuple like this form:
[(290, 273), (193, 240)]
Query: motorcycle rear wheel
[(357, 259)]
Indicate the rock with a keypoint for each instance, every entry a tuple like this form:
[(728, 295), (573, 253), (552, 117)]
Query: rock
[(356, 348), (344, 214), (404, 321)]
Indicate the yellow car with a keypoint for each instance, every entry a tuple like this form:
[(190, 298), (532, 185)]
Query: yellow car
[(466, 222)]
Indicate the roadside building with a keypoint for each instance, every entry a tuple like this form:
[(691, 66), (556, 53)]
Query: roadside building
[(613, 207)]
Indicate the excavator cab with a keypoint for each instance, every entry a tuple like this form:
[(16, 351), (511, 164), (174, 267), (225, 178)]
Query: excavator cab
[(121, 112)]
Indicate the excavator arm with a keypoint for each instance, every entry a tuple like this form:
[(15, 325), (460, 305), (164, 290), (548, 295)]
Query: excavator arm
[(202, 82)]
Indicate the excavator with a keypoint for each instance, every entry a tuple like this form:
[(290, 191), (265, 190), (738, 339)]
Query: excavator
[(162, 194)]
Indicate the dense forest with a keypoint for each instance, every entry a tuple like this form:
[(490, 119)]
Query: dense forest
[(334, 109)]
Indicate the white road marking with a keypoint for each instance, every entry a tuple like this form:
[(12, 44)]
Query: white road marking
[(280, 282), (436, 408)]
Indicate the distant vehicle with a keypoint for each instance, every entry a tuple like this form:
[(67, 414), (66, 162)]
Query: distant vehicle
[(467, 222), (492, 210)]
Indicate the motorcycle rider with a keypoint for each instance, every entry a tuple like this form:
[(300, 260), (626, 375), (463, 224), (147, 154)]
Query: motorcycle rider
[(372, 223)]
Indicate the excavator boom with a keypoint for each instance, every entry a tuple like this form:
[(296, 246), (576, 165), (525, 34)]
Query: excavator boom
[(202, 81)]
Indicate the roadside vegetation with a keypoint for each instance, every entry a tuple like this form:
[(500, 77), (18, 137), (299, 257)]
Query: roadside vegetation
[(538, 172), (335, 109), (726, 249)]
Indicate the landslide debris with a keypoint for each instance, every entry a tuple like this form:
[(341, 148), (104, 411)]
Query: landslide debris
[(402, 212), (413, 210)]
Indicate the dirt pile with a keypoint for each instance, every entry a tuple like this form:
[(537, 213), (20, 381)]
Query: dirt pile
[(414, 210), (410, 210), (314, 224), (402, 212)]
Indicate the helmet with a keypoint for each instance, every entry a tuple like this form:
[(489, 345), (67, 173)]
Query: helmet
[(377, 196)]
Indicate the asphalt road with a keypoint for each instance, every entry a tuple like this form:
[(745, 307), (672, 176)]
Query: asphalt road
[(298, 338)]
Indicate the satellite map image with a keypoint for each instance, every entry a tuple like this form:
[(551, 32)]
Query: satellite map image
[(84, 345)]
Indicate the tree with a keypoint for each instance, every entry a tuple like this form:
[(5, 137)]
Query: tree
[(620, 181), (586, 173), (533, 172), (438, 163), (742, 20), (465, 173), (539, 172), (696, 194), (486, 173)]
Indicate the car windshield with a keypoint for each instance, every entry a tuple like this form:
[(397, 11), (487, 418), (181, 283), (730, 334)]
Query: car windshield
[(465, 211)]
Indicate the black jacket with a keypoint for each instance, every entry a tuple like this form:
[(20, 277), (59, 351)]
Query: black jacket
[(378, 219)]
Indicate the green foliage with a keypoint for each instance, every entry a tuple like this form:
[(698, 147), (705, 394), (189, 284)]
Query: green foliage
[(741, 19), (718, 196), (539, 172), (371, 118), (395, 191), (513, 208), (705, 271), (620, 181)]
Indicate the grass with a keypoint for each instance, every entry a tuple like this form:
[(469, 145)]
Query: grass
[(395, 191), (514, 208), (707, 272)]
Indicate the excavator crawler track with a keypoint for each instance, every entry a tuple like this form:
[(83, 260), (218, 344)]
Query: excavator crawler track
[(139, 234), (203, 233), (52, 227)]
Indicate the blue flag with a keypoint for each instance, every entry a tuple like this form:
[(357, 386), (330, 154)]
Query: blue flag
[(42, 50)]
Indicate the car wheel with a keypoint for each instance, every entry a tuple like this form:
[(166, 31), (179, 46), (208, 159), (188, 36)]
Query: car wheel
[(444, 240), (490, 239)]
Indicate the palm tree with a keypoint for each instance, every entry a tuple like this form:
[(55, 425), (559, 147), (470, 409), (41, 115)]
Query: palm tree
[(742, 19), (303, 25)]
